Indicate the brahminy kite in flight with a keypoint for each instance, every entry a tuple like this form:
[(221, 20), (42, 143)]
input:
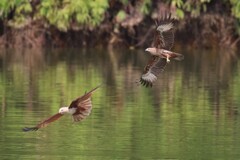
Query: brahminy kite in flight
[(161, 54), (80, 108)]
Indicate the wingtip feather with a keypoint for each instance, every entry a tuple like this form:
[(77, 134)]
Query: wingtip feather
[(27, 129), (146, 83), (95, 88)]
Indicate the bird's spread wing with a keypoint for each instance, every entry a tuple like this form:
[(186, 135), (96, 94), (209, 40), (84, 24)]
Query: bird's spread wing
[(163, 39), (164, 35), (154, 67), (43, 123), (83, 105)]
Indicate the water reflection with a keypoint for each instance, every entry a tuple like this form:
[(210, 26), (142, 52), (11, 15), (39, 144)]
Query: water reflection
[(190, 113)]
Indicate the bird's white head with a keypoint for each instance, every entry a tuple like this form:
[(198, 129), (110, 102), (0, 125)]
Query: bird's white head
[(63, 110), (151, 50)]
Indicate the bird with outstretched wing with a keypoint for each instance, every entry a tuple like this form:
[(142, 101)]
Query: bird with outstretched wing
[(161, 54), (79, 108)]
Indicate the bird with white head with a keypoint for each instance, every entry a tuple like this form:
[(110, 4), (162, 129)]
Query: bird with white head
[(80, 108)]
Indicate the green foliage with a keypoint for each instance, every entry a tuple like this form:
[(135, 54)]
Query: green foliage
[(235, 8), (125, 2), (22, 12), (21, 9), (193, 7), (67, 14), (141, 6), (76, 14), (236, 13), (197, 7), (6, 6), (121, 15), (145, 6), (63, 14)]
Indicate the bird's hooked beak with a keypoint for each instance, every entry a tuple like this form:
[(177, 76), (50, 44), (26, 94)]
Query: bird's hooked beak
[(63, 110)]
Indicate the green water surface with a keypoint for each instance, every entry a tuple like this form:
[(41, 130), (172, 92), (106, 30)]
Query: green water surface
[(192, 112)]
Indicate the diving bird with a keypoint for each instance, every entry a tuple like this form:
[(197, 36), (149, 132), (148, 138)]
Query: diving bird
[(79, 108), (160, 51)]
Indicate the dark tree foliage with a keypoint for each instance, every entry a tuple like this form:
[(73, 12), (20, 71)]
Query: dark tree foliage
[(39, 23)]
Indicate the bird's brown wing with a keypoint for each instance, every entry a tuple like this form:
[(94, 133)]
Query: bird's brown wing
[(44, 123), (164, 35), (154, 67), (163, 39), (83, 105)]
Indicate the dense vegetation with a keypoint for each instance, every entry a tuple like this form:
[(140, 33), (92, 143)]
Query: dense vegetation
[(75, 23)]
